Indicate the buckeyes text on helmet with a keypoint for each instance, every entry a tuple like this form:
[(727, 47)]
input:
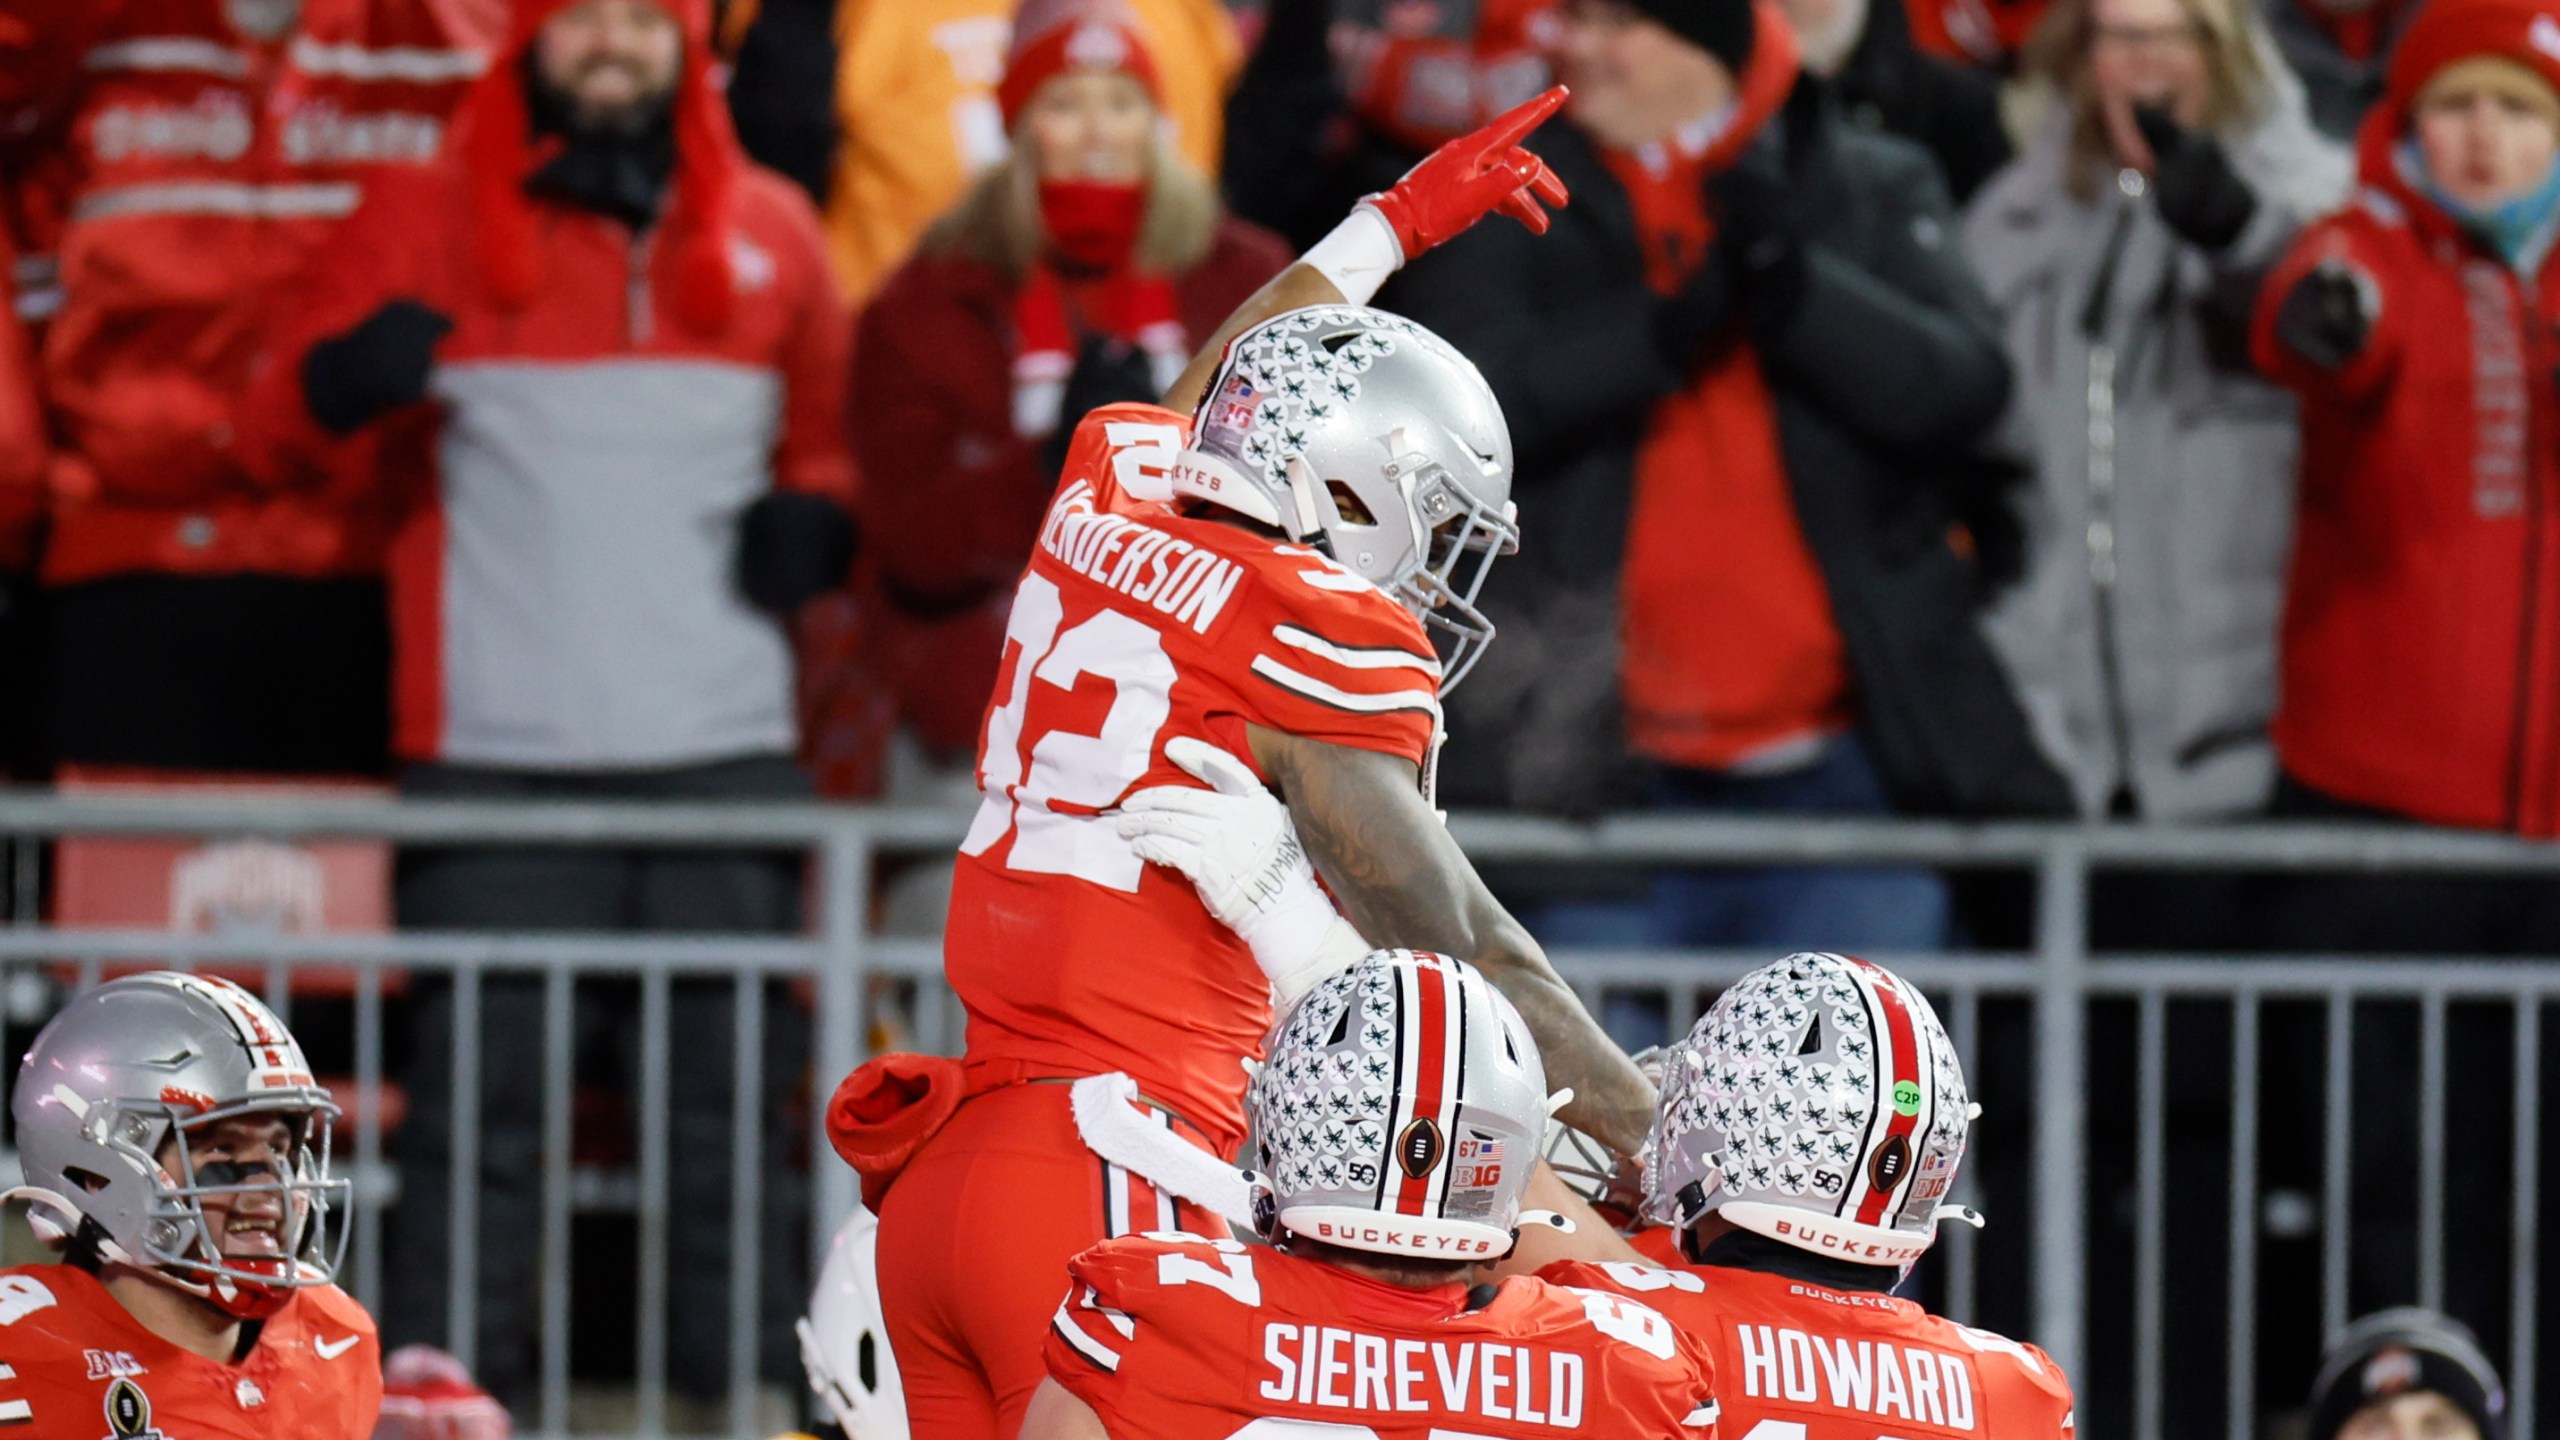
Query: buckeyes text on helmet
[(1365, 434), (117, 1103), (1817, 1102), (1401, 1110)]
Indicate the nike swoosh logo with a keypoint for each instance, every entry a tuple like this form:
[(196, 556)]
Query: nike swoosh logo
[(332, 1349)]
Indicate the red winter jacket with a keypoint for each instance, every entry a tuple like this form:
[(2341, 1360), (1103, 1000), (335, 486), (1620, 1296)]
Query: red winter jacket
[(22, 444), (202, 169), (567, 501), (960, 494), (2421, 652)]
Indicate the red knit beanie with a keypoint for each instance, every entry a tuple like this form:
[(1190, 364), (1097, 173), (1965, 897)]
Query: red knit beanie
[(498, 145), (2524, 31), (1051, 37)]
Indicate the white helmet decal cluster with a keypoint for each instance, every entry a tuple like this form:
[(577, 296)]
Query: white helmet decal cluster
[(1279, 381), (1819, 1102), (1364, 434), (1401, 1109)]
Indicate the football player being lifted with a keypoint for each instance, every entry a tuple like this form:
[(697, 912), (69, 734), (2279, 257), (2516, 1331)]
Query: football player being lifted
[(177, 1150), (1258, 569), (1809, 1129), (1398, 1117)]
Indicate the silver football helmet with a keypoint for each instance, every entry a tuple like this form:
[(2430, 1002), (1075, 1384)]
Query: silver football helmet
[(110, 1098), (1365, 434), (1401, 1110), (844, 1341), (1819, 1103)]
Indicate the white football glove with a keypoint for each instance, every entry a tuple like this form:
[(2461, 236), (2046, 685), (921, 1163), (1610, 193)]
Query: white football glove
[(1236, 845)]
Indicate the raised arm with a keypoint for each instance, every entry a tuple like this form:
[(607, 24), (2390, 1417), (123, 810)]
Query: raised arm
[(1402, 882), (1438, 200)]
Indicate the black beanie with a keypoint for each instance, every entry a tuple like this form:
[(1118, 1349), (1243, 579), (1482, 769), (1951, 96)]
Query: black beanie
[(2404, 1351), (1722, 28)]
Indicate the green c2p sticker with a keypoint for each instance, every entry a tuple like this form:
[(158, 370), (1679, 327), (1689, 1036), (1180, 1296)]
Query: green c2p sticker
[(1906, 1098)]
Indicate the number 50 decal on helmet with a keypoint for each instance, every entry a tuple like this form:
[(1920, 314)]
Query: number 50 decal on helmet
[(1401, 1110)]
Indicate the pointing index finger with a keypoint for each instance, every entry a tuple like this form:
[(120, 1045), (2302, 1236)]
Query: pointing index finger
[(1519, 120)]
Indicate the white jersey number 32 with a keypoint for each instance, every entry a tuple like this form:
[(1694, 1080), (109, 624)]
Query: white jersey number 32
[(1031, 763)]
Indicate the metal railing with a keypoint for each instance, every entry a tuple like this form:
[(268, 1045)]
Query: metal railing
[(2057, 981)]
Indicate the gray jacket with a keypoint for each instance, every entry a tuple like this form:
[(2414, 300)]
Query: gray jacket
[(2158, 512)]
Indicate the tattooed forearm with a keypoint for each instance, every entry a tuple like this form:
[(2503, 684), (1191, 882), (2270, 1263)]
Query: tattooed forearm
[(1402, 881)]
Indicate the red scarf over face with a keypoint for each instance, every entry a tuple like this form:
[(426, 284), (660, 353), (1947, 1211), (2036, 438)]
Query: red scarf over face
[(1088, 284)]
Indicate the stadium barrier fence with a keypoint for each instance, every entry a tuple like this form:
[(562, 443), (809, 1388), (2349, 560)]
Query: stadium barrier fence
[(2057, 981)]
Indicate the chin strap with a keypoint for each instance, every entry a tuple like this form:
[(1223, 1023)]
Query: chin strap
[(1548, 1218), (1964, 1214)]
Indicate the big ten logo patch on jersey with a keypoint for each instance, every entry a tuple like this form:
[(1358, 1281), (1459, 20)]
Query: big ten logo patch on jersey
[(129, 1414), (1876, 1377), (112, 1364)]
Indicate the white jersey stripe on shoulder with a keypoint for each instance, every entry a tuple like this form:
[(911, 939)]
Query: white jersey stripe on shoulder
[(1357, 657), (411, 63), (187, 54), (1343, 584), (1091, 1300), (1702, 1417), (16, 1412), (1076, 1335), (1341, 699)]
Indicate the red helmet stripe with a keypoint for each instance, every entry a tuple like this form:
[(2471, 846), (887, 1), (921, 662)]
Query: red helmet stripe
[(1906, 1071), (1429, 1020)]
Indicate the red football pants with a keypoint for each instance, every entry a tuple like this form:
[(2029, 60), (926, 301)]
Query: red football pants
[(975, 1237)]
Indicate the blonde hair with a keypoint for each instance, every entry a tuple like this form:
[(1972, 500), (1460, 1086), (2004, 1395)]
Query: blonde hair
[(2058, 55), (997, 223)]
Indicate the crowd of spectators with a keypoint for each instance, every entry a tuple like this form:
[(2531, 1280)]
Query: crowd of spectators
[(1909, 422), (2137, 409)]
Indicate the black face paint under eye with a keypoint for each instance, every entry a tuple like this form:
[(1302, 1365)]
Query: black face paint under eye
[(239, 1172)]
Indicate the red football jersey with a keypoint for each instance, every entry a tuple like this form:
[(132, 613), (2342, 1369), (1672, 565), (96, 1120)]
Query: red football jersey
[(1135, 624), (1171, 1337), (1801, 1362), (75, 1365)]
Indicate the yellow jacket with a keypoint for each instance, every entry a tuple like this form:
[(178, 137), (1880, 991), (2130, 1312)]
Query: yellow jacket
[(916, 108)]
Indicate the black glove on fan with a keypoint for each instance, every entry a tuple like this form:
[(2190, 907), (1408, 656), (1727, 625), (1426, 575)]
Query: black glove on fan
[(1108, 371), (1685, 319), (1759, 234), (379, 366), (793, 548), (2200, 195), (2326, 317)]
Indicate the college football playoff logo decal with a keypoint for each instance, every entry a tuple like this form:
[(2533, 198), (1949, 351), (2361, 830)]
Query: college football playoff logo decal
[(129, 1413), (1892, 1160), (1418, 1147)]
